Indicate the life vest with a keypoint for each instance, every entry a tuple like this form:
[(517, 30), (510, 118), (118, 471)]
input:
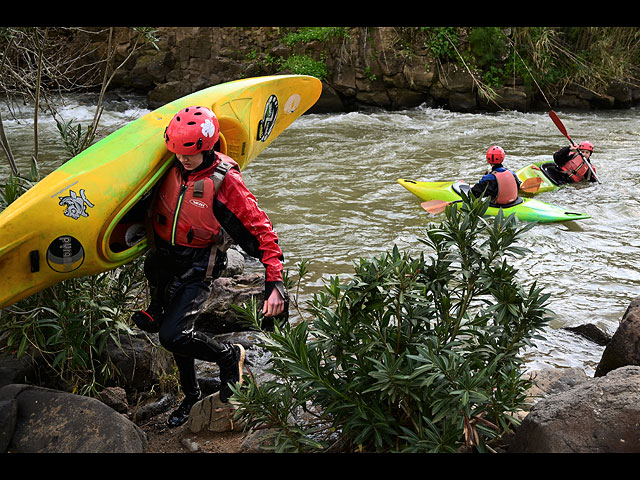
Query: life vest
[(576, 168), (507, 187), (183, 211)]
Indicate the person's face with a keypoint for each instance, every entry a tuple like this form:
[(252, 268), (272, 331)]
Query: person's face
[(190, 162)]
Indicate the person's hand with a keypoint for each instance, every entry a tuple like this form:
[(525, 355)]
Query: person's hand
[(274, 305)]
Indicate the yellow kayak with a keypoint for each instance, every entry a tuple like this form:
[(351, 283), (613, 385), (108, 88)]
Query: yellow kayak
[(525, 209), (80, 219)]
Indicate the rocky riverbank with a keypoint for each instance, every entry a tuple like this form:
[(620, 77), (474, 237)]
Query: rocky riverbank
[(566, 411), (366, 67)]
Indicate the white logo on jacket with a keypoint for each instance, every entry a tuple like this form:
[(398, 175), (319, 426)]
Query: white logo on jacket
[(198, 203)]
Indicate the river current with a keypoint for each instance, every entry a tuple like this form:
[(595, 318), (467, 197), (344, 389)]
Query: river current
[(329, 185)]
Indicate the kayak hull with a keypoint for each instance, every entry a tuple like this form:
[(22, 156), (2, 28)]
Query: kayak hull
[(82, 218), (528, 210), (534, 170)]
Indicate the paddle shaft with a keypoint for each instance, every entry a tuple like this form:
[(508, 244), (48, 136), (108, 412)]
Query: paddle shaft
[(563, 130)]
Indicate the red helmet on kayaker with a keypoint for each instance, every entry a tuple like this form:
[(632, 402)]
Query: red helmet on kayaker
[(586, 145), (495, 155), (192, 130)]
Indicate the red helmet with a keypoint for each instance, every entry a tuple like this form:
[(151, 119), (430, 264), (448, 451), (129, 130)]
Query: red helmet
[(192, 130), (586, 145), (495, 155)]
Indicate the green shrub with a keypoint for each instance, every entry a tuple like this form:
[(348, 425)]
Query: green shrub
[(308, 34), (411, 354), (440, 41), (67, 327), (488, 45), (305, 65)]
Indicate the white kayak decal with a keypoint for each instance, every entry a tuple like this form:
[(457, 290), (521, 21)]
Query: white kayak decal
[(75, 205)]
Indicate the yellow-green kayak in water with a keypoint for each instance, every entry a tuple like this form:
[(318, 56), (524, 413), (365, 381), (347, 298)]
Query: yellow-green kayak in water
[(525, 209)]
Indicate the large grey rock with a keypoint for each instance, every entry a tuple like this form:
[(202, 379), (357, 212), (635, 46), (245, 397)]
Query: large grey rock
[(601, 415), (139, 359), (624, 347), (49, 421)]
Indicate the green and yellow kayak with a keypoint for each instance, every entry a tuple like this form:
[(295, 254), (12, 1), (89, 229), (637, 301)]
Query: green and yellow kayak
[(537, 170), (525, 209), (82, 218)]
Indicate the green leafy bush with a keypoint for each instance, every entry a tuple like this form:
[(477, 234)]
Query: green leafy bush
[(412, 354), (305, 65), (67, 327), (488, 45), (309, 34)]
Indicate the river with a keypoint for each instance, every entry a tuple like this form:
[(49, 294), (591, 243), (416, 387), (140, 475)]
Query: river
[(329, 185)]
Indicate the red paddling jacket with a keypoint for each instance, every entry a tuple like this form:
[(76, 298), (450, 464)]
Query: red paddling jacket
[(188, 211)]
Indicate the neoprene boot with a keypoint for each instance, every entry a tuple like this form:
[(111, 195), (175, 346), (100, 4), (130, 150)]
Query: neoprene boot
[(148, 320), (181, 414), (231, 370)]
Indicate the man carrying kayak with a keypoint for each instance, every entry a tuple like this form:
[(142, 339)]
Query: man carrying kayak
[(501, 184), (200, 204)]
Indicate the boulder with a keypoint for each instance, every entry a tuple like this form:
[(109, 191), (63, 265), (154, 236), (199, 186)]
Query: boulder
[(591, 332), (210, 414), (49, 421), (463, 102), (624, 347), (14, 369), (622, 93), (601, 415), (139, 360), (508, 98), (217, 315)]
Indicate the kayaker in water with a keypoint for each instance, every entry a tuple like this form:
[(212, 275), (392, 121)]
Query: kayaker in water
[(569, 166), (501, 184), (200, 204)]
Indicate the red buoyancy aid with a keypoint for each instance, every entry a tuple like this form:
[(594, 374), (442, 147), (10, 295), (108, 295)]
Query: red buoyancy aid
[(183, 211), (576, 168), (507, 187), (184, 216)]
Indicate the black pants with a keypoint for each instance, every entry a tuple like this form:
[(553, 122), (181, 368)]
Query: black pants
[(177, 280)]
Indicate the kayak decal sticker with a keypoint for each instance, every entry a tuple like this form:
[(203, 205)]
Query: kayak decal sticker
[(292, 103), (208, 128), (65, 254), (75, 205), (268, 118)]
